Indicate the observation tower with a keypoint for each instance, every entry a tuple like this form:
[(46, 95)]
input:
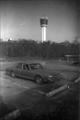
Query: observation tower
[(44, 24)]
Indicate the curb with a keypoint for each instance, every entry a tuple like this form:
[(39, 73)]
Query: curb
[(77, 80), (51, 93)]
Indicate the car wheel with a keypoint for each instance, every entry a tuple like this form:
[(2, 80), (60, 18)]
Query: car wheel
[(13, 74), (38, 79)]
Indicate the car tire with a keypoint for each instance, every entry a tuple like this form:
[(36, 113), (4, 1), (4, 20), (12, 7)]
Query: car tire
[(38, 79), (12, 74)]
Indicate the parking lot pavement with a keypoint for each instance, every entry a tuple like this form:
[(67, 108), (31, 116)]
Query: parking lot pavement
[(30, 102), (27, 96), (10, 87)]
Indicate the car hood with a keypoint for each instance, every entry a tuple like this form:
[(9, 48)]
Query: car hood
[(45, 72)]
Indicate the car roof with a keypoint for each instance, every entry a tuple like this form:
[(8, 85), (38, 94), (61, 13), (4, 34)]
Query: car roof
[(28, 63)]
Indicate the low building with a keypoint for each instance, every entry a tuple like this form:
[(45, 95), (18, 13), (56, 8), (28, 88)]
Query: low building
[(72, 59)]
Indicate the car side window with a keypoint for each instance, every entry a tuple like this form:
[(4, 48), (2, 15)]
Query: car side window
[(25, 67), (19, 66)]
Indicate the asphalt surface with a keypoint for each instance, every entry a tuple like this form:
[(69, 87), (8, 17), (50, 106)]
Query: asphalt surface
[(30, 101), (23, 99)]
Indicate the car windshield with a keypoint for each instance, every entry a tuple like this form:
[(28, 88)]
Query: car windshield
[(35, 66)]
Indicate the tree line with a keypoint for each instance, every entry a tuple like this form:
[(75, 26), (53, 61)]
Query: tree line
[(47, 50)]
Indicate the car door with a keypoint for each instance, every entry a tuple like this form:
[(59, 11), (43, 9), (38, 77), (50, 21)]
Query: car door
[(26, 73), (19, 70)]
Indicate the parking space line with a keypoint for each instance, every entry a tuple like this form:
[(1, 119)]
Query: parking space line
[(15, 83), (12, 115), (19, 85)]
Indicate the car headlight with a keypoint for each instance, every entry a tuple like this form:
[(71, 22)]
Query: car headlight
[(50, 76)]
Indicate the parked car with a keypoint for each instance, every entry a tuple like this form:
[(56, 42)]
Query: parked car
[(33, 71)]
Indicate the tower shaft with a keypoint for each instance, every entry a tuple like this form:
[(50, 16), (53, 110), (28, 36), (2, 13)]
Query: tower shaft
[(43, 33)]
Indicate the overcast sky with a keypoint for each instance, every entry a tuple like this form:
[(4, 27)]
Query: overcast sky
[(21, 19)]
